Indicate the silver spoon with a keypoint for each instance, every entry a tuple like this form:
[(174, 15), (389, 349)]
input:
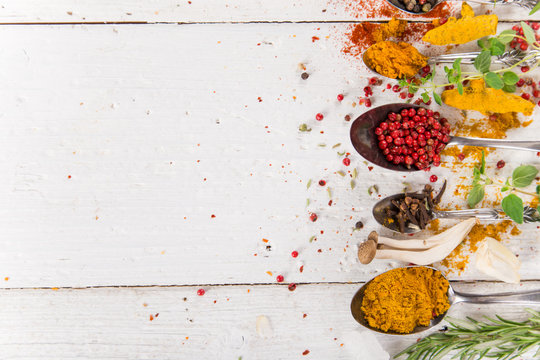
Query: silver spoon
[(527, 4), (529, 214), (365, 141), (508, 58), (454, 297)]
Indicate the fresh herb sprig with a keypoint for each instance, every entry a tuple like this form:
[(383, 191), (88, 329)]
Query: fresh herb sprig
[(471, 339), (503, 78), (512, 204)]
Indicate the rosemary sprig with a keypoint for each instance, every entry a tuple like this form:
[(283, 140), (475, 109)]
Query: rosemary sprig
[(471, 339)]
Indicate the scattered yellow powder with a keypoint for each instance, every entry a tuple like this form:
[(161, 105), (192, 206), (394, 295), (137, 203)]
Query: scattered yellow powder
[(459, 258)]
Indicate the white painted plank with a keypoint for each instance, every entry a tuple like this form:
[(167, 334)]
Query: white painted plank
[(114, 323), (35, 11), (140, 116)]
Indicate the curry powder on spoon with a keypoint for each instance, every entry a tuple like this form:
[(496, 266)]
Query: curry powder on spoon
[(401, 299), (394, 60)]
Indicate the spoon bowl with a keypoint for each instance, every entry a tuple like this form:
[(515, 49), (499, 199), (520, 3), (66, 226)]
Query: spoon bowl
[(365, 141), (454, 297)]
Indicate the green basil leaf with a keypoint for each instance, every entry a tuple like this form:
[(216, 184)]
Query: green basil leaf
[(483, 61), (457, 66), (509, 88), (523, 175), (483, 163), (494, 80), (535, 8), (528, 32), (425, 97), (506, 36), (481, 44), (460, 88), (505, 188), (437, 98), (537, 189), (496, 47), (476, 195), (512, 205), (510, 78)]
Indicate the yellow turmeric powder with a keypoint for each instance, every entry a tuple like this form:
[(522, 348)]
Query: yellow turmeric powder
[(458, 259), (394, 60), (404, 298), (486, 100), (393, 28), (467, 28)]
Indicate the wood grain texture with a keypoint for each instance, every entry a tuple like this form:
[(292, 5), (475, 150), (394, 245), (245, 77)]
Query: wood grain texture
[(119, 149), (184, 11), (115, 323)]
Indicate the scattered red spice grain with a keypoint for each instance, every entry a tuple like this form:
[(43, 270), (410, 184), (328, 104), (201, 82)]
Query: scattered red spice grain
[(305, 352), (433, 178), (292, 287), (347, 118), (313, 217), (340, 97), (346, 161), (151, 317), (6, 278), (259, 98), (314, 38), (69, 176), (304, 316), (302, 268), (294, 254), (212, 216), (201, 292), (280, 278)]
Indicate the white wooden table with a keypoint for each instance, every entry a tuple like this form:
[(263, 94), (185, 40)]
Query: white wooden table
[(148, 148)]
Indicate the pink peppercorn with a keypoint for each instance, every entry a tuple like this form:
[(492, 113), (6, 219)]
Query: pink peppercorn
[(279, 278), (313, 217), (200, 292), (433, 178), (294, 254), (319, 116), (340, 97), (346, 161)]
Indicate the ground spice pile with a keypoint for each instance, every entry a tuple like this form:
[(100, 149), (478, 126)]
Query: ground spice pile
[(404, 298), (459, 258), (362, 36)]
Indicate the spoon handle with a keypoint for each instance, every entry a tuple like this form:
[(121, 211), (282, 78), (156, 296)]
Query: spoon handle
[(496, 143), (523, 298), (482, 214)]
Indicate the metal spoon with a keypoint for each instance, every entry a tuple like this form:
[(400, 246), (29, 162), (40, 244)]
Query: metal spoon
[(529, 214), (527, 4), (454, 297), (365, 141), (508, 58)]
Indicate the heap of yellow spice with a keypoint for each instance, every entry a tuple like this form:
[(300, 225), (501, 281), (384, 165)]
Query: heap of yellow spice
[(394, 60), (463, 30), (486, 100), (404, 298)]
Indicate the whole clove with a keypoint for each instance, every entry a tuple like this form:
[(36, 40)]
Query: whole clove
[(415, 210)]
